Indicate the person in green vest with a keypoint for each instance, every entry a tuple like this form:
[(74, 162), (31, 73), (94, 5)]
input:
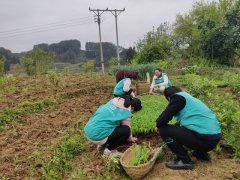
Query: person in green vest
[(109, 127), (197, 128), (160, 82)]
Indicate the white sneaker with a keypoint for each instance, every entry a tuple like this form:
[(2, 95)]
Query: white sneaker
[(108, 152), (101, 147)]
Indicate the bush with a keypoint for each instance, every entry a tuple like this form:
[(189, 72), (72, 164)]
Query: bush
[(27, 63), (201, 87), (88, 66), (227, 110), (233, 81), (53, 77), (7, 84), (191, 69)]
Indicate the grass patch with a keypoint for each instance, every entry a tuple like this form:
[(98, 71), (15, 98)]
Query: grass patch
[(9, 114), (56, 166)]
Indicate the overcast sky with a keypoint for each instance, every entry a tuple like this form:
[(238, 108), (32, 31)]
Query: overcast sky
[(24, 23)]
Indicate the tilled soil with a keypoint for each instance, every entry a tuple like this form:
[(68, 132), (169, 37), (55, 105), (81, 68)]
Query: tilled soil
[(34, 88), (38, 132)]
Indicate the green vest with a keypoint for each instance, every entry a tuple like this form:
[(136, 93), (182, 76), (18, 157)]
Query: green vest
[(161, 80), (118, 90), (104, 121), (197, 117)]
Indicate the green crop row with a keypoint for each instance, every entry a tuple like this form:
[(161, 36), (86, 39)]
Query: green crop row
[(144, 121), (9, 114)]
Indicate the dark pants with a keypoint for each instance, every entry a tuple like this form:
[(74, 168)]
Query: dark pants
[(184, 137), (118, 137)]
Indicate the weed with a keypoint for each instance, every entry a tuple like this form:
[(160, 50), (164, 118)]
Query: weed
[(9, 114), (56, 166), (79, 174)]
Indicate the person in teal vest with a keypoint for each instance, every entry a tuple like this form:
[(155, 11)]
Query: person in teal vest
[(124, 89), (160, 82), (109, 127), (197, 128)]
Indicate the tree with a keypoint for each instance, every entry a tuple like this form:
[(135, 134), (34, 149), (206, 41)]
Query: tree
[(2, 69), (43, 60), (65, 51), (113, 61), (205, 31), (9, 57), (156, 45), (27, 63), (130, 54)]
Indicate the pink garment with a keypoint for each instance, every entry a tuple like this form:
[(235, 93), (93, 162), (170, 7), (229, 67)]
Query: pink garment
[(126, 85), (119, 102)]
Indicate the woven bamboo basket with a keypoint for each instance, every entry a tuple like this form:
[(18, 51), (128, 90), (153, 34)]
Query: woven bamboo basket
[(141, 170), (142, 87)]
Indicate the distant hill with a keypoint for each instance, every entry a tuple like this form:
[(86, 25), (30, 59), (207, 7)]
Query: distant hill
[(69, 51)]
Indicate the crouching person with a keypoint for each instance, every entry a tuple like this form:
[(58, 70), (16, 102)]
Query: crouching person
[(198, 128), (109, 127), (160, 82)]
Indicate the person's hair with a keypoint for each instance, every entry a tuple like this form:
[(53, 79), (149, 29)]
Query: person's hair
[(133, 75), (169, 91), (124, 73), (136, 104), (158, 69)]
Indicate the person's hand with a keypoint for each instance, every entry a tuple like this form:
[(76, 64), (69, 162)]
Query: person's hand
[(156, 130), (132, 139), (151, 93), (133, 89)]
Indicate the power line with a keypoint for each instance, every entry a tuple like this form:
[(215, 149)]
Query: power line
[(98, 13), (43, 25), (49, 29)]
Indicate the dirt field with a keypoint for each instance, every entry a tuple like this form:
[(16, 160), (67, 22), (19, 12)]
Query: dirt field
[(29, 139)]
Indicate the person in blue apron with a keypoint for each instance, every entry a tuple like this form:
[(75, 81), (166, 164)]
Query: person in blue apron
[(160, 81), (197, 128), (109, 127)]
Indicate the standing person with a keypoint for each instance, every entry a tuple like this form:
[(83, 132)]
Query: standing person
[(160, 82), (198, 128), (122, 74), (110, 125)]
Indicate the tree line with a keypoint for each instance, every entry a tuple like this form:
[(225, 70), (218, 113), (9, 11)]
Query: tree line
[(211, 30)]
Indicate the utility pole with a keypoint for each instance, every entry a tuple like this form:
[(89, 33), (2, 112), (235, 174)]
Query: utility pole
[(98, 13), (115, 13)]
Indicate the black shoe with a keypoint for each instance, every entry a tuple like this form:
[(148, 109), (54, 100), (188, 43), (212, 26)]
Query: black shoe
[(201, 156), (178, 165)]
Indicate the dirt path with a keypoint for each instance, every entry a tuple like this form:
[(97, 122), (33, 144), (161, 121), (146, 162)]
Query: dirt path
[(220, 167)]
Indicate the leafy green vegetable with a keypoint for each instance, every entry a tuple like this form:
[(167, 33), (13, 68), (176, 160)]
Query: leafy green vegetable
[(144, 121), (141, 155)]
